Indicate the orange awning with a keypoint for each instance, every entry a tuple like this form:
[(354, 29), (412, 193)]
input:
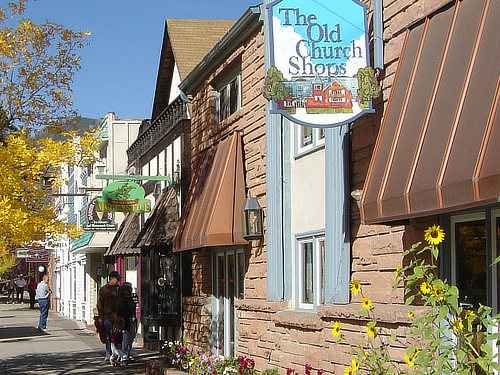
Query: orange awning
[(438, 147), (214, 211)]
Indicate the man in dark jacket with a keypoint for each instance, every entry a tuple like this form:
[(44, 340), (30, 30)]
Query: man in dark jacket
[(107, 307)]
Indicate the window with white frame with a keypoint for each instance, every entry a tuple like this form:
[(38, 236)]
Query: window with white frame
[(229, 94), (310, 260), (308, 139)]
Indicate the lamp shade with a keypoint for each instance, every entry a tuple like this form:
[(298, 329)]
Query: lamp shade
[(253, 219)]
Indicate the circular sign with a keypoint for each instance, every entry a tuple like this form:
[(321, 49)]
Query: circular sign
[(320, 74)]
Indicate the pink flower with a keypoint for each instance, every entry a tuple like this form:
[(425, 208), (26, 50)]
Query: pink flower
[(308, 369)]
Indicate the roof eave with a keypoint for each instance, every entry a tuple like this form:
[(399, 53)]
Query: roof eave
[(244, 27)]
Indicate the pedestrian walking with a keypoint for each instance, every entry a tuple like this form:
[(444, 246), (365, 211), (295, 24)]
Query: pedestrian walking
[(126, 310), (11, 291), (107, 309), (32, 291), (20, 283), (42, 296)]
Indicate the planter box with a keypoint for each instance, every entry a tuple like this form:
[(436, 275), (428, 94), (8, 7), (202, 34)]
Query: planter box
[(159, 367)]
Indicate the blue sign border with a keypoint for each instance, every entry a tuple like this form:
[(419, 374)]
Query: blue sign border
[(275, 110)]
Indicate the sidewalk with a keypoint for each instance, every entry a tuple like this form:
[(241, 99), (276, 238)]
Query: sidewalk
[(65, 348)]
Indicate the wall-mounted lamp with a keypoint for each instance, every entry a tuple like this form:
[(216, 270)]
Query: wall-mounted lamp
[(357, 195), (253, 220)]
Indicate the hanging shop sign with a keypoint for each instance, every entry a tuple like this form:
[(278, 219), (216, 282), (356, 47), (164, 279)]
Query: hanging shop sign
[(320, 72), (123, 196), (38, 256), (22, 253), (98, 220)]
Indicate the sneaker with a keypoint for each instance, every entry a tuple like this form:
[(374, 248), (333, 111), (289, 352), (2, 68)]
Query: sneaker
[(106, 360), (113, 360), (124, 360)]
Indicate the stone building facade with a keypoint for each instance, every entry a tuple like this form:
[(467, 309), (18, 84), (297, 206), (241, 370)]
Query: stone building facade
[(272, 332)]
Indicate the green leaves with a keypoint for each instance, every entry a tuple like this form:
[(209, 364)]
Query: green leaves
[(274, 89)]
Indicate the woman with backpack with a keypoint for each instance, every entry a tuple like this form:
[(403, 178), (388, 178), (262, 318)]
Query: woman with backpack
[(128, 320)]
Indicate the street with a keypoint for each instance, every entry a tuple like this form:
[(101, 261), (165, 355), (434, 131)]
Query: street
[(65, 348)]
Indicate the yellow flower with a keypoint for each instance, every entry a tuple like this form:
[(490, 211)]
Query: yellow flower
[(354, 365), (458, 324), (371, 331), (469, 315), (397, 273), (434, 235), (411, 314), (366, 304), (355, 287), (409, 360), (336, 329), (425, 288), (348, 371)]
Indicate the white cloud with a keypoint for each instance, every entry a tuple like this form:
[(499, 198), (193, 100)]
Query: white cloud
[(354, 63), (285, 39)]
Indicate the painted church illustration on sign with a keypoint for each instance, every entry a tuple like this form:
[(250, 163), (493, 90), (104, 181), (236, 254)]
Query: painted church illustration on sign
[(320, 73)]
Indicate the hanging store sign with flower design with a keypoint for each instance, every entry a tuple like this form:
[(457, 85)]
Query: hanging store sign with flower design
[(123, 196), (320, 73)]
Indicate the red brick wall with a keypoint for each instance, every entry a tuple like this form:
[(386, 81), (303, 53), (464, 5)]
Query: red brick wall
[(267, 331), (205, 132), (280, 338)]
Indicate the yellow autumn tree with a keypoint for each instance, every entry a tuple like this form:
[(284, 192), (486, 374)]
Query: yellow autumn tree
[(37, 67)]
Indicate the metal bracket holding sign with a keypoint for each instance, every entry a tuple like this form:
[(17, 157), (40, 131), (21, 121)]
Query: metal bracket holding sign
[(320, 74)]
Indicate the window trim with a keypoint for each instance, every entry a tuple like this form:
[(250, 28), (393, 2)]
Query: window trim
[(314, 237), (317, 142), (226, 86)]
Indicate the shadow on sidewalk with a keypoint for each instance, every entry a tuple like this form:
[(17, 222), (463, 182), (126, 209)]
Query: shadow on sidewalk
[(19, 332), (88, 362)]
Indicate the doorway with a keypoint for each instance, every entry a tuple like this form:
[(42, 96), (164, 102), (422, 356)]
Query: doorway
[(228, 285)]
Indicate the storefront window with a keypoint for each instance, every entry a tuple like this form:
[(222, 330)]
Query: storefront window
[(470, 239), (229, 275)]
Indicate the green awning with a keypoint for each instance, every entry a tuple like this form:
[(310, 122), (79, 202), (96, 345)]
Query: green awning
[(82, 241)]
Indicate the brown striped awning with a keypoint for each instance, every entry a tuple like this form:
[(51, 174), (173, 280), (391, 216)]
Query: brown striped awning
[(438, 148), (214, 210)]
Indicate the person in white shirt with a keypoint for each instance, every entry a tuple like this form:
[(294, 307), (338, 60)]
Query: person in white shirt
[(20, 285), (42, 296)]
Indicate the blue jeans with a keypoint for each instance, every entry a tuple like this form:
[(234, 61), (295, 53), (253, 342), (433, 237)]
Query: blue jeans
[(108, 327), (127, 341), (43, 303)]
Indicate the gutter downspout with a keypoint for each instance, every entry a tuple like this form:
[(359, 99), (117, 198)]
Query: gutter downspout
[(378, 34)]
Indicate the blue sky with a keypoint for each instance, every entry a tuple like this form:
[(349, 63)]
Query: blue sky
[(350, 17), (119, 67)]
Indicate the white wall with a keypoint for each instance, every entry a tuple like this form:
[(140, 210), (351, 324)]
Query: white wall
[(308, 193), (174, 86)]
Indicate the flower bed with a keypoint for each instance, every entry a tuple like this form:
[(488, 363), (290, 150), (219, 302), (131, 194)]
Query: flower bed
[(176, 355)]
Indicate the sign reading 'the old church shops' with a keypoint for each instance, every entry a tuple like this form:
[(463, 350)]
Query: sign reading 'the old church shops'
[(320, 72)]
